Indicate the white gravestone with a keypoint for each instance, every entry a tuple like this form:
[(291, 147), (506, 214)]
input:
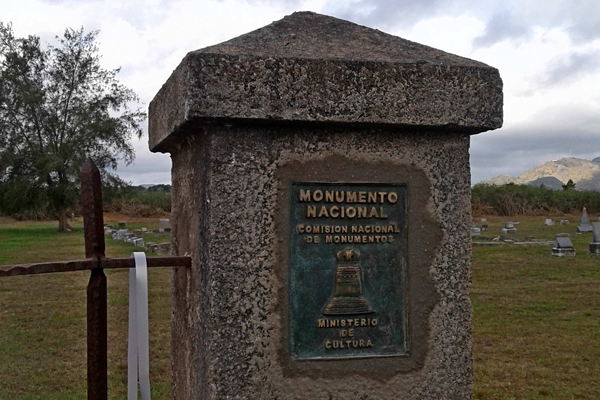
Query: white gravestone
[(584, 223), (164, 225)]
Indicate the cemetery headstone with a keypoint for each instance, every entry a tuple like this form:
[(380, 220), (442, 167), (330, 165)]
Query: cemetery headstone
[(475, 231), (122, 224), (484, 227), (331, 250), (584, 223), (509, 227), (595, 244), (564, 222), (151, 247), (163, 248), (164, 225), (563, 247), (549, 222), (121, 234)]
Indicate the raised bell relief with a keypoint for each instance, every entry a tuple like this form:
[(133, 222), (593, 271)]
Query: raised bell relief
[(347, 297)]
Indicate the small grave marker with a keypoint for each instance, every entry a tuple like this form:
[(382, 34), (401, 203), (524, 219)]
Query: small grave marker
[(595, 244), (563, 247), (584, 223), (164, 225), (509, 227)]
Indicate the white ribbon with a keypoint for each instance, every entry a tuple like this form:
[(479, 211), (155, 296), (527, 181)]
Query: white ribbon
[(138, 358)]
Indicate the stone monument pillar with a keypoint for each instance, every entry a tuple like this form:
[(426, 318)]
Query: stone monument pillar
[(321, 184)]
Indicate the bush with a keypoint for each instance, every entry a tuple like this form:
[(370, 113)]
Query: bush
[(138, 202), (511, 199)]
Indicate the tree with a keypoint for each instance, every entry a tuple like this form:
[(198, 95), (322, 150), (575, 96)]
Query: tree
[(58, 106), (570, 185)]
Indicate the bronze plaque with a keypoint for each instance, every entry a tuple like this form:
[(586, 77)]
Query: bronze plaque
[(348, 270)]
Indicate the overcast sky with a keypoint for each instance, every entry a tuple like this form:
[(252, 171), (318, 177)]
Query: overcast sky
[(547, 51)]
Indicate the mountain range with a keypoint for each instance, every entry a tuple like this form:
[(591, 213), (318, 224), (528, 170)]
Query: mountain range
[(553, 174)]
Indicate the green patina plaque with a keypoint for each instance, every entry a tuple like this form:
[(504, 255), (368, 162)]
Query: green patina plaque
[(348, 270)]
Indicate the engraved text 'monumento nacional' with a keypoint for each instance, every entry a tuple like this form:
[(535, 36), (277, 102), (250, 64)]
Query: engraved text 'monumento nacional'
[(348, 247)]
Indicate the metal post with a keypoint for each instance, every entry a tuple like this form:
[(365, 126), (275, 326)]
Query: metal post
[(97, 380), (93, 226)]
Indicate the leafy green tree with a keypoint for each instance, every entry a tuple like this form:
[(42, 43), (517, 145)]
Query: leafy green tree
[(570, 185), (58, 106)]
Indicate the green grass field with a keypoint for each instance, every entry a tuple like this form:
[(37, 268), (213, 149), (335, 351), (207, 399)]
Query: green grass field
[(42, 318), (536, 317)]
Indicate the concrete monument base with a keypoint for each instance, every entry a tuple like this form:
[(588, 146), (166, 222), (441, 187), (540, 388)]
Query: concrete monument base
[(584, 228), (595, 248), (302, 142), (562, 252)]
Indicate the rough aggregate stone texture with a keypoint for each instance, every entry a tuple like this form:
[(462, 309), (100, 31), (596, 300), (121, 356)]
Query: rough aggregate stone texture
[(229, 309), (314, 68), (313, 98)]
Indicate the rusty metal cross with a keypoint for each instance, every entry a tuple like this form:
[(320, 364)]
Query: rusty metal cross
[(93, 226)]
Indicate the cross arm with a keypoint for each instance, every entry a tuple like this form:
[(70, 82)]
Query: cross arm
[(90, 263)]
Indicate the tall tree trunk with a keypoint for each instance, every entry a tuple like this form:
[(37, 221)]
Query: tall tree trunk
[(63, 223)]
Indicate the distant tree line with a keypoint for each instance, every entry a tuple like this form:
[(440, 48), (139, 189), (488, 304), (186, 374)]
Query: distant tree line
[(511, 199), (122, 198), (505, 200), (138, 201)]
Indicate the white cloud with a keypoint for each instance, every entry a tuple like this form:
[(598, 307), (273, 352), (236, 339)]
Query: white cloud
[(547, 53), (452, 34)]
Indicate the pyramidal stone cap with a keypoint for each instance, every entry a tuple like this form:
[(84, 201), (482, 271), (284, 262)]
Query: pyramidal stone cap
[(312, 68)]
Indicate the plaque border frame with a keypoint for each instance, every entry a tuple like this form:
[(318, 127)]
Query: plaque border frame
[(405, 286)]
